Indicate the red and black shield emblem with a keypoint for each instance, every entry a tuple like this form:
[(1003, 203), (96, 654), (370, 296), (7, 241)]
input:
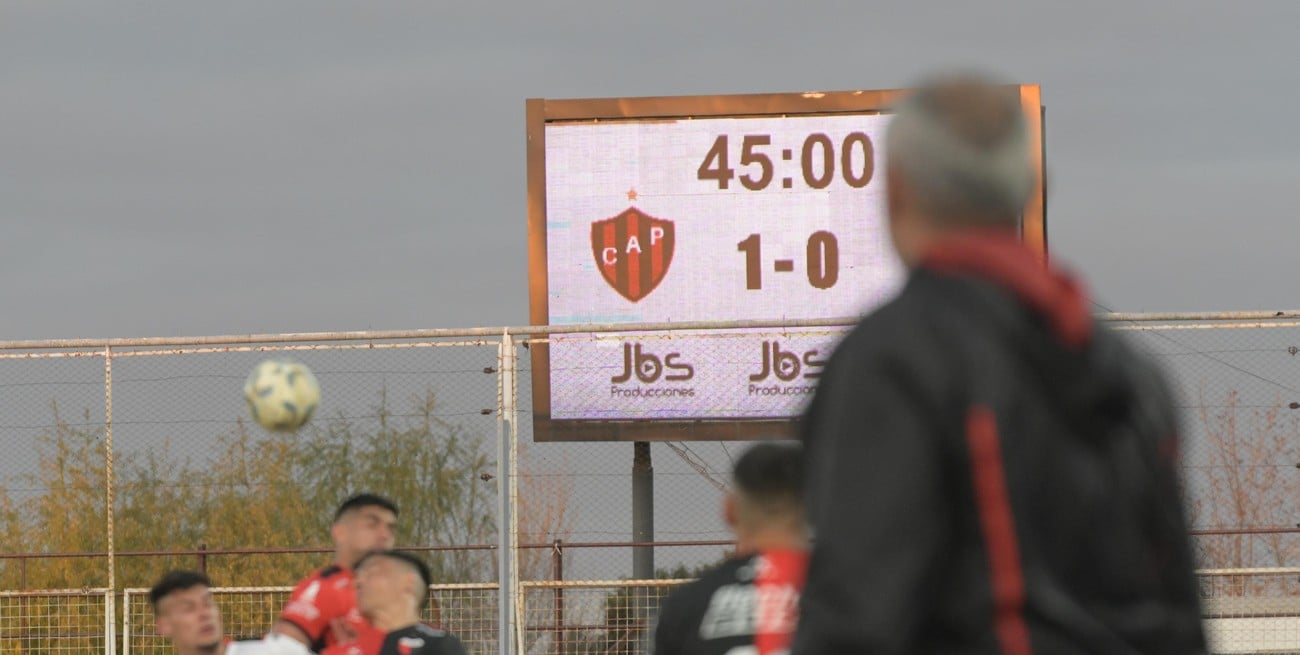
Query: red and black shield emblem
[(633, 251)]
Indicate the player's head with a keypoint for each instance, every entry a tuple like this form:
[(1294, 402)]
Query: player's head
[(767, 491), (392, 582), (958, 157), (185, 613), (363, 523)]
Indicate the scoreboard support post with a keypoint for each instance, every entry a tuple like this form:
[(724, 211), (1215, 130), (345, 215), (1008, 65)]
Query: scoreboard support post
[(643, 511)]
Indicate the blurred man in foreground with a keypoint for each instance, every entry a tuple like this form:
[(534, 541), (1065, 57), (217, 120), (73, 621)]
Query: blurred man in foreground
[(989, 470)]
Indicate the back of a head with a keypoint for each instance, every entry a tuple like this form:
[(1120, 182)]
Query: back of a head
[(769, 480), (961, 144)]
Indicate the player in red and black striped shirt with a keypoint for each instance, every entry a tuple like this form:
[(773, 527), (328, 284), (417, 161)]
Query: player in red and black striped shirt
[(749, 604), (391, 588), (363, 523)]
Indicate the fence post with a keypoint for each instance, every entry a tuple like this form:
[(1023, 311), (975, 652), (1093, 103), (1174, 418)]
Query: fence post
[(108, 465), (557, 574), (25, 605), (507, 528), (203, 559), (126, 622), (110, 624)]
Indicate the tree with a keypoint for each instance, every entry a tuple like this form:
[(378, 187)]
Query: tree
[(1247, 479), (69, 514), (254, 498), (256, 491), (432, 468), (544, 514)]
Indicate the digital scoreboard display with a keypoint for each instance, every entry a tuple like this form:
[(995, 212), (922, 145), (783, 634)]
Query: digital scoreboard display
[(721, 208)]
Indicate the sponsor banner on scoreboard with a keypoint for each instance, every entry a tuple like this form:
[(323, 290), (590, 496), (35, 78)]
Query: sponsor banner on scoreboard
[(748, 375)]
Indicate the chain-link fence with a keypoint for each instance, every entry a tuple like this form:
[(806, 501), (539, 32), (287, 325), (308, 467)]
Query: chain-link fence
[(444, 420), (467, 610), (57, 622), (246, 613), (1238, 386), (1252, 611), (590, 617)]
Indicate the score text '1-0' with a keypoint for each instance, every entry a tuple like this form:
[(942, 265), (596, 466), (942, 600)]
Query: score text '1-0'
[(817, 162)]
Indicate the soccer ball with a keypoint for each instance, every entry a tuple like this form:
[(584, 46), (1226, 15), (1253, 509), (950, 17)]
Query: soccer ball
[(282, 394)]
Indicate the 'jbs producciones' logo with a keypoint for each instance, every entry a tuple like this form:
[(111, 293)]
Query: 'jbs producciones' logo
[(633, 251), (786, 365), (649, 367)]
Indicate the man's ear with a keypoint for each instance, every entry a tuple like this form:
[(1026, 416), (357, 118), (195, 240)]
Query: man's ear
[(162, 626), (729, 509)]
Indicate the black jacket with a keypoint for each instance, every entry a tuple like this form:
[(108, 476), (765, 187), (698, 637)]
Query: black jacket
[(990, 471)]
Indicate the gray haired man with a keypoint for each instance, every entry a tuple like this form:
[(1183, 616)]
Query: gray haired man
[(988, 470)]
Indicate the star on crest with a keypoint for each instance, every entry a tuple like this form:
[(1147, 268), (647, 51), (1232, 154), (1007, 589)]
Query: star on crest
[(631, 194)]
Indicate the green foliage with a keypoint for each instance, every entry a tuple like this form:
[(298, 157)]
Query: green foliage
[(256, 491), (431, 467)]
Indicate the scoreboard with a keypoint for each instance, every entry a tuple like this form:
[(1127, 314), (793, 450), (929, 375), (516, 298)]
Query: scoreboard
[(712, 208)]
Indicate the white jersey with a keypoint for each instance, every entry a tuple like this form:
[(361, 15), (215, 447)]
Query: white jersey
[(272, 644)]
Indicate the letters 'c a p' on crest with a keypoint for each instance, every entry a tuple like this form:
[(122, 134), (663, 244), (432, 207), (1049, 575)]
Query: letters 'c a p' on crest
[(633, 251)]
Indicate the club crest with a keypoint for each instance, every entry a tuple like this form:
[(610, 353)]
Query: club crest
[(633, 251)]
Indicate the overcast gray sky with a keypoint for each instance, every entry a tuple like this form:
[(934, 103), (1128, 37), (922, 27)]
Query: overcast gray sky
[(177, 168)]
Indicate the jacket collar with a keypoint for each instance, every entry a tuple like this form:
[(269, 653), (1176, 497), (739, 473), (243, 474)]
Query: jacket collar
[(1001, 258)]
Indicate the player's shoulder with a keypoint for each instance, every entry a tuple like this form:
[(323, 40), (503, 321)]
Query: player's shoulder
[(272, 644), (426, 640), (324, 573), (912, 315), (908, 336), (698, 592), (735, 569), (325, 582)]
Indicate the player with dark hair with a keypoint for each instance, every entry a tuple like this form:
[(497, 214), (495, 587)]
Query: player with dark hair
[(750, 601), (990, 471), (184, 613), (363, 523), (391, 587)]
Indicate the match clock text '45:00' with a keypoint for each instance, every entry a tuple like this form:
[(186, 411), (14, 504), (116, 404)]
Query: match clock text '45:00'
[(817, 162)]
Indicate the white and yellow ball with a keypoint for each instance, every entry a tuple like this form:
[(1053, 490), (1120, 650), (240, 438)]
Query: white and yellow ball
[(282, 394)]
